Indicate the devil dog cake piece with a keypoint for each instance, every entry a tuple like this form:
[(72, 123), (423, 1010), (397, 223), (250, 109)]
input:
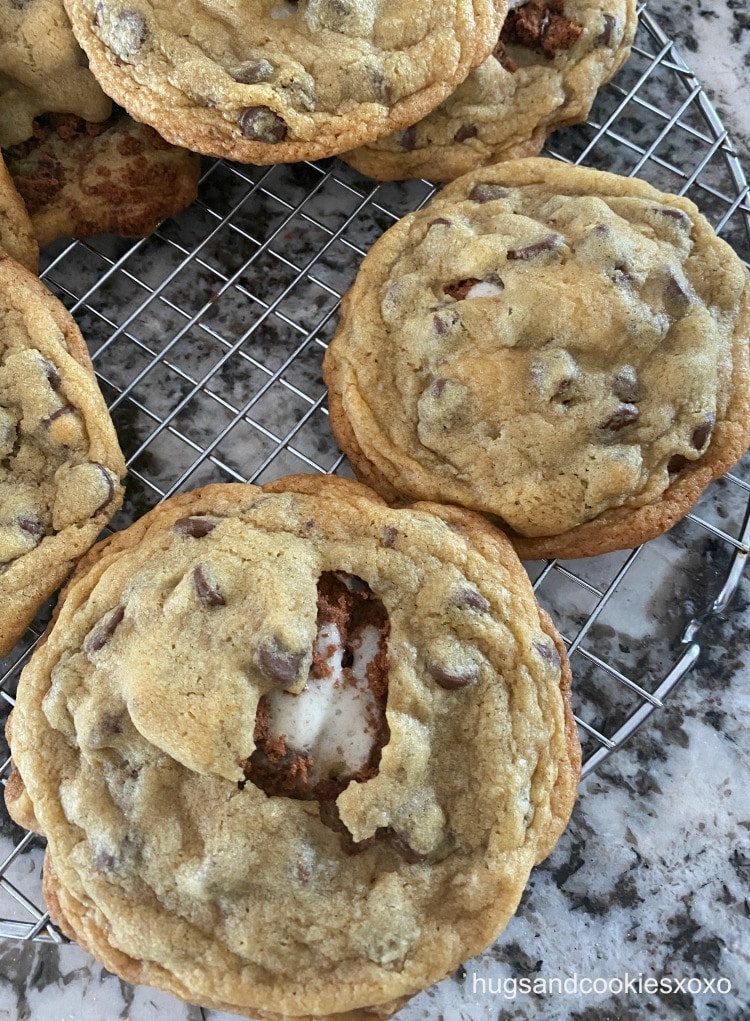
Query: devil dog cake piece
[(550, 59), (294, 752), (271, 81), (562, 349), (60, 463)]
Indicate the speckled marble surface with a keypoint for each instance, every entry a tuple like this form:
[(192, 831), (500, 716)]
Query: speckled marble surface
[(651, 882)]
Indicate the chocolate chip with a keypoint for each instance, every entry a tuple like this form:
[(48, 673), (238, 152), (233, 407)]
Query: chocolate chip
[(437, 387), (676, 298), (548, 653), (674, 214), (487, 193), (409, 138), (389, 534), (53, 375), (123, 31), (465, 132), (439, 323), (195, 527), (66, 409), (450, 679), (261, 124), (625, 384), (106, 475), (460, 288), (605, 36), (253, 71), (31, 526), (701, 435), (676, 463), (550, 244), (101, 634), (472, 599), (441, 222), (279, 666), (208, 594), (621, 418)]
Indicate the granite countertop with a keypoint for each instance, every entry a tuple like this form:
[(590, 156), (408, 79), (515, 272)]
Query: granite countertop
[(650, 885)]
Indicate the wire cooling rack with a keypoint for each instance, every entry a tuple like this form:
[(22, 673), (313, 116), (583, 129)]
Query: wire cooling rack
[(208, 336)]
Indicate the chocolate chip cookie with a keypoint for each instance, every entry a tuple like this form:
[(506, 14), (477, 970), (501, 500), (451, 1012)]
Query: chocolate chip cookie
[(60, 464), (16, 232), (563, 349), (294, 752), (271, 81), (42, 68), (549, 61), (80, 178)]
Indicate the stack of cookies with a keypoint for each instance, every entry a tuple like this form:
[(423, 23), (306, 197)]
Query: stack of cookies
[(295, 748)]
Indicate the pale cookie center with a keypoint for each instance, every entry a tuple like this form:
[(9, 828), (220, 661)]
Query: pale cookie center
[(312, 744)]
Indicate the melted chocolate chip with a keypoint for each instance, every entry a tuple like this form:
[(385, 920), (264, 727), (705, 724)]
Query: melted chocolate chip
[(605, 36), (437, 388), (195, 527), (548, 653), (53, 376), (701, 435), (441, 221), (621, 418), (110, 488), (409, 138), (472, 599), (439, 323), (253, 71), (676, 298), (66, 409), (449, 679), (99, 637), (279, 666), (465, 132), (208, 594), (674, 214), (550, 244), (487, 193), (262, 124)]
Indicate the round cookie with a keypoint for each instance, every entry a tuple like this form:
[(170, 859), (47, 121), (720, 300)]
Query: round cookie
[(16, 231), (42, 69), (60, 464), (294, 752), (550, 59), (272, 81), (560, 348), (79, 178)]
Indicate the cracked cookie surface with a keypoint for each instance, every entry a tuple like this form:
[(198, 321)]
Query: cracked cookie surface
[(549, 61), (559, 348), (271, 81), (80, 178), (60, 464), (42, 69), (294, 752)]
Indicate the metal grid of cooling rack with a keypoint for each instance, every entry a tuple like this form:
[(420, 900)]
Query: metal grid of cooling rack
[(208, 337)]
